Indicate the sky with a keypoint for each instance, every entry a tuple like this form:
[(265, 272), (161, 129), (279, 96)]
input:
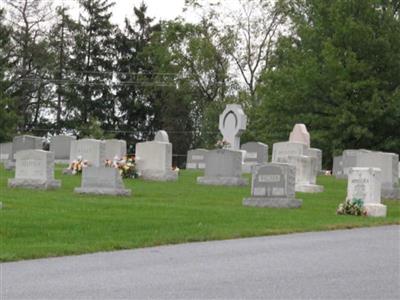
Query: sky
[(159, 9)]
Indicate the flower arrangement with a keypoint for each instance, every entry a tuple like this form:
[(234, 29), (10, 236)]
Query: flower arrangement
[(353, 207), (77, 165), (126, 166), (222, 144)]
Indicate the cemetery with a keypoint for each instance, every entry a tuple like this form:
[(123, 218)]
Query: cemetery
[(95, 197)]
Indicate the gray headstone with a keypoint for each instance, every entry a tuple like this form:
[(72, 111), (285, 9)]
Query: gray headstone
[(273, 185), (223, 167), (20, 143), (60, 145), (282, 150), (5, 151), (349, 159), (35, 170), (88, 149), (255, 152), (161, 136), (388, 164), (102, 181), (115, 148), (337, 168), (196, 159)]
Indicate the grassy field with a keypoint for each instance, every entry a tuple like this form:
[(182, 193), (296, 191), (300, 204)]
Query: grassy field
[(37, 224)]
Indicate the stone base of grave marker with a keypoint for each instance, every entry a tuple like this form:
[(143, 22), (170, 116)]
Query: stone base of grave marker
[(34, 184), (103, 191), (309, 188), (229, 181), (283, 202), (159, 175), (375, 210)]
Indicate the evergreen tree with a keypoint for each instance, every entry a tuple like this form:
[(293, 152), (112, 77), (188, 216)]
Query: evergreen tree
[(338, 74), (91, 96)]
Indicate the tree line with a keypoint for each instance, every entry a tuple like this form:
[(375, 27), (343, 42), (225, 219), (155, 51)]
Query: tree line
[(333, 65)]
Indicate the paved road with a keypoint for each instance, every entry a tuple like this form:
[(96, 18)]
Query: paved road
[(347, 264)]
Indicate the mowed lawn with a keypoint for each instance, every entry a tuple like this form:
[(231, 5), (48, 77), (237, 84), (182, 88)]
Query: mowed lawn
[(37, 223)]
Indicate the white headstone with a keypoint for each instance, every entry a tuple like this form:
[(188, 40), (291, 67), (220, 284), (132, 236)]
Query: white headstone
[(300, 134), (154, 161), (223, 167), (305, 174), (273, 185), (317, 153), (34, 169), (88, 149), (337, 168), (102, 181), (282, 150), (232, 123), (365, 184), (23, 142), (115, 148), (161, 136)]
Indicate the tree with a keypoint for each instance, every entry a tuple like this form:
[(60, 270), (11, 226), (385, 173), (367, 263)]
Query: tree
[(90, 92), (61, 42), (249, 29), (28, 60), (8, 116), (338, 74)]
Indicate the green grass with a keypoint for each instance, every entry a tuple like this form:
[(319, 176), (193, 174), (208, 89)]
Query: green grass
[(37, 223)]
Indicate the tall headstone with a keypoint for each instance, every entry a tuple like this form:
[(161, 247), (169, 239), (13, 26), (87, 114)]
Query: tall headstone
[(60, 145), (223, 167), (115, 148), (300, 134), (196, 159), (255, 153), (232, 123), (364, 184), (305, 174), (5, 151), (35, 170), (102, 181), (273, 185), (88, 149), (282, 150), (154, 160)]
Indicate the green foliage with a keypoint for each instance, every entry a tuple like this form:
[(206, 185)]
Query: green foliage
[(337, 74)]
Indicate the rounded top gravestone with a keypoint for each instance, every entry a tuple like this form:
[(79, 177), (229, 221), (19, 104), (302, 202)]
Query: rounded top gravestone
[(232, 123), (300, 134), (161, 136)]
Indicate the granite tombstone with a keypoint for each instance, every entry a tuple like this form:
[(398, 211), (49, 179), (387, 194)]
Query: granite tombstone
[(273, 185), (34, 170)]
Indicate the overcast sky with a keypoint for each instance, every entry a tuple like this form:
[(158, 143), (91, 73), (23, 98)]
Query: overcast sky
[(160, 9)]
